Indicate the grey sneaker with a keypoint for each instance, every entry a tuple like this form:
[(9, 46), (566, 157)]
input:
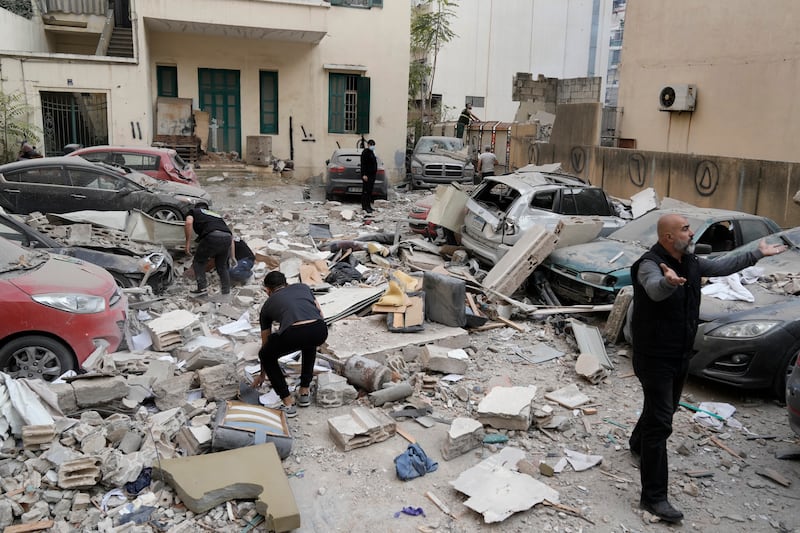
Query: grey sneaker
[(289, 410), (303, 400), (198, 292)]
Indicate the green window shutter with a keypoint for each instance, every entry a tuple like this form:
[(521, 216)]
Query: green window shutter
[(376, 3), (268, 87), (336, 87), (337, 2), (362, 113), (167, 81)]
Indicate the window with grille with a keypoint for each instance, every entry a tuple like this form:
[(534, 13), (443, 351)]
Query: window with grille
[(348, 103)]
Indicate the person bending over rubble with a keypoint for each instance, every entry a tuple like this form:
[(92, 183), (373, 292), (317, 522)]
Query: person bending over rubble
[(301, 327), (213, 241)]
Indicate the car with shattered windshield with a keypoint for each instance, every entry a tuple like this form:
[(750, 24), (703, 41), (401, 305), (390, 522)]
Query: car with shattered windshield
[(131, 264), (753, 344), (502, 208), (66, 184), (439, 160), (159, 163), (594, 272), (56, 310)]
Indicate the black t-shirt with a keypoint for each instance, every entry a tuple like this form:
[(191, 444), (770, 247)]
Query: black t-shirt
[(205, 221), (241, 250), (293, 303)]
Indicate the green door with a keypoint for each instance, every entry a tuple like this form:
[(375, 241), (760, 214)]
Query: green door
[(220, 97)]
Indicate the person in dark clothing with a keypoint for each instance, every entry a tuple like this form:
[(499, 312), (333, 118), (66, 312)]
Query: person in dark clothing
[(369, 171), (665, 316), (464, 119), (301, 327), (244, 258), (213, 241)]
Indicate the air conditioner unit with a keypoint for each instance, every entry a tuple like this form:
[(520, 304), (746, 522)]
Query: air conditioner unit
[(677, 97)]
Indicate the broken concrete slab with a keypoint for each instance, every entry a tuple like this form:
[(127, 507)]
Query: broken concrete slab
[(590, 341), (444, 360), (368, 336), (497, 491), (172, 392), (220, 382), (517, 264), (93, 390), (588, 366), (569, 396), (334, 391), (172, 329), (361, 427), (644, 201), (255, 472), (577, 230), (507, 407), (465, 434)]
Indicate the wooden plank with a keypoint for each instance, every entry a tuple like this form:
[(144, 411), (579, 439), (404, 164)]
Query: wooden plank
[(439, 503), (32, 526), (775, 476), (403, 433), (472, 305), (724, 447), (511, 324)]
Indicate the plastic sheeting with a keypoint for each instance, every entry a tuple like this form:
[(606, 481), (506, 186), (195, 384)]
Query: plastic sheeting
[(20, 406)]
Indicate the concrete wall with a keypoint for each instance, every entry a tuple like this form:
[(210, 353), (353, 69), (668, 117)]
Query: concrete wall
[(19, 33), (754, 186), (744, 57), (498, 38)]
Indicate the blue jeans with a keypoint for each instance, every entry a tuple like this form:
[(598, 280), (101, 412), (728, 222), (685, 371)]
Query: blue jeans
[(242, 271)]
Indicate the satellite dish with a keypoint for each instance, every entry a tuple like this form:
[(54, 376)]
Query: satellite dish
[(667, 97)]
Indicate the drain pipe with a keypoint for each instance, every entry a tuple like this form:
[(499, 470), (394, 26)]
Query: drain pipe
[(291, 139)]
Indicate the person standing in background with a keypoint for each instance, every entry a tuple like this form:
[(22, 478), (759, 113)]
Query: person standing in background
[(486, 162), (464, 119), (369, 171)]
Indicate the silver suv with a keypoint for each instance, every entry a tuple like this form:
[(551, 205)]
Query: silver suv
[(502, 208), (439, 160)]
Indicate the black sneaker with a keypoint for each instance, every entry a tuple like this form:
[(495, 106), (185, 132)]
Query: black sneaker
[(663, 510), (303, 400)]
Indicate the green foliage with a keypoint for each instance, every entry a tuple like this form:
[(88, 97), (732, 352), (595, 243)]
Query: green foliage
[(430, 30), (15, 125)]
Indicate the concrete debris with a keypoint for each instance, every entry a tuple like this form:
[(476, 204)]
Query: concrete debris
[(361, 427), (465, 434), (219, 382), (334, 391), (516, 265), (79, 473), (366, 373), (173, 329), (37, 437), (569, 396), (444, 360), (507, 407)]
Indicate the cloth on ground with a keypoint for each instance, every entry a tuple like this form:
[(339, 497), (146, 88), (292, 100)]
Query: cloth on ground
[(414, 463)]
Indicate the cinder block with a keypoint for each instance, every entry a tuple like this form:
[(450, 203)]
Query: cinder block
[(33, 437), (80, 473)]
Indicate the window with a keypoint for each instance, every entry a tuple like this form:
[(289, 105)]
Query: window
[(476, 101), (93, 180), (12, 234), (752, 230), (138, 161), (167, 81), (41, 176), (584, 202), (358, 3), (268, 91), (348, 103), (544, 200)]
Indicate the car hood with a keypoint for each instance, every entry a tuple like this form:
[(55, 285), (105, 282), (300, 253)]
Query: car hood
[(173, 187), (427, 159), (597, 256), (61, 274)]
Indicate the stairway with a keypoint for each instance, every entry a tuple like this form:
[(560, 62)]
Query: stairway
[(121, 42)]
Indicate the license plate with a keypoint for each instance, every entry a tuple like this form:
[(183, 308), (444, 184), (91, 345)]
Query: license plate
[(477, 223), (354, 189)]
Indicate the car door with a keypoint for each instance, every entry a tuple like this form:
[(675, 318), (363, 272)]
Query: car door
[(44, 188), (101, 190)]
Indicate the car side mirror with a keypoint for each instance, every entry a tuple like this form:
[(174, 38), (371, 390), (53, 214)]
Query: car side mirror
[(327, 161), (702, 249)]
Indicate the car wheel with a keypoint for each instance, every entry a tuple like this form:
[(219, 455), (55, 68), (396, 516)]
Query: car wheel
[(36, 356), (166, 213), (784, 369)]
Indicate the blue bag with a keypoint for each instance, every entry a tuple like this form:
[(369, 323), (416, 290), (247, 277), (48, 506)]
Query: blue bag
[(413, 463)]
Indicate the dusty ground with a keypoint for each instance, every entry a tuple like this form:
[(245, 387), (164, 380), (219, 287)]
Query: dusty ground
[(359, 490)]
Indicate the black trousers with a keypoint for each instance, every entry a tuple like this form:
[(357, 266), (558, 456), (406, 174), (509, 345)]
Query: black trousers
[(216, 244), (366, 193), (306, 338), (662, 381)]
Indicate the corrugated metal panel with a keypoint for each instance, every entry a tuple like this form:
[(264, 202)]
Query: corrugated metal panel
[(79, 7)]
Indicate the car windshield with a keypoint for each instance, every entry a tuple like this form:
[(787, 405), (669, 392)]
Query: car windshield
[(179, 163), (643, 229), (15, 257), (438, 145)]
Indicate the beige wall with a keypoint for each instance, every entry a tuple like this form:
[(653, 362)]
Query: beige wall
[(744, 57), (19, 33)]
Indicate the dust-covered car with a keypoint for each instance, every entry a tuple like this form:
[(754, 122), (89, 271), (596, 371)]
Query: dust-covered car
[(594, 272), (65, 184), (793, 397), (343, 176), (153, 265), (159, 163), (502, 208), (754, 345), (439, 160)]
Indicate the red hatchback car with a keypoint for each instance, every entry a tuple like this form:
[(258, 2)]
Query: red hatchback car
[(55, 311), (160, 163)]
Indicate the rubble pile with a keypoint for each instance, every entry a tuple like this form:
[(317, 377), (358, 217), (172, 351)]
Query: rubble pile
[(526, 411)]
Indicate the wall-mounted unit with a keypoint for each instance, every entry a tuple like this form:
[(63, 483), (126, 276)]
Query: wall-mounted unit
[(677, 97)]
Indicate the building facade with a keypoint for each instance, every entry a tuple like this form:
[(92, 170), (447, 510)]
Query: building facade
[(312, 75)]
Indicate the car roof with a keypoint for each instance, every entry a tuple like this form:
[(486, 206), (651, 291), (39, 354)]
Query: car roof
[(525, 182), (152, 150), (47, 162), (345, 151)]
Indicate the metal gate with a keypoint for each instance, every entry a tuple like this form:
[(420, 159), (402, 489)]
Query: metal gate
[(73, 118)]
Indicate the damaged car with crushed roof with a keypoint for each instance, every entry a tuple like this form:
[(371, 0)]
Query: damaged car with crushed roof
[(131, 266), (753, 344), (594, 272)]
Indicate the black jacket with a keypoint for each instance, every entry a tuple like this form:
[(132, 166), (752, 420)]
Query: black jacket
[(369, 163)]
